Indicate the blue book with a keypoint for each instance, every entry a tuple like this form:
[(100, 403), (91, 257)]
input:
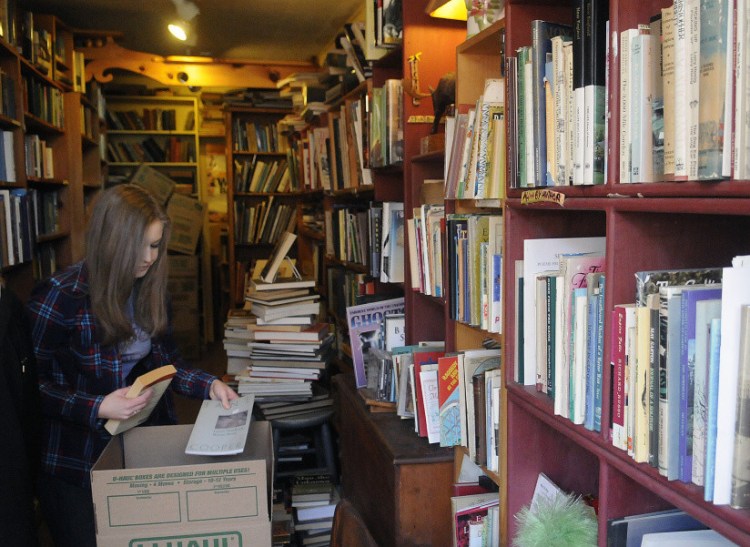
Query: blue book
[(690, 295), (599, 376), (593, 289), (713, 405)]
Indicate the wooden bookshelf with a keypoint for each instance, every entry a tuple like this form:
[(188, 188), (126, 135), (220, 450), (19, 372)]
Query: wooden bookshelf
[(44, 123), (647, 226), (243, 147)]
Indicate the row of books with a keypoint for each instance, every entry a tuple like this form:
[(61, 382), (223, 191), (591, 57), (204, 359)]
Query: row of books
[(263, 175), (474, 247), (22, 215), (677, 118), (7, 95), (453, 398), (476, 147), (371, 236), (347, 229), (148, 119), (44, 101), (256, 136), (262, 222), (567, 308), (556, 102), (386, 124), (39, 158), (685, 342), (90, 123), (151, 149), (347, 288)]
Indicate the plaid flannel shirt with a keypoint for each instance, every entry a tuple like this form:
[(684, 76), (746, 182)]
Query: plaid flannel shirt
[(76, 372)]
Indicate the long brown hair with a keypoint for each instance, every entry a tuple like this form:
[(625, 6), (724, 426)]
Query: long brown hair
[(114, 243)]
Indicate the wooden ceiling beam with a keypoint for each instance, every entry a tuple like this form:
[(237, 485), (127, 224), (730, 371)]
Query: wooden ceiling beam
[(105, 56)]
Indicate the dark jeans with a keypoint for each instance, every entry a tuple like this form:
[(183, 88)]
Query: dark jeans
[(68, 511)]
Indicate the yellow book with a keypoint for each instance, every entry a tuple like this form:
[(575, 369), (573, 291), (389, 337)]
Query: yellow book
[(157, 379), (642, 362)]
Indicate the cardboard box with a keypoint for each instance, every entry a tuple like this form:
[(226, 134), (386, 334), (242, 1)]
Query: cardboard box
[(148, 492), (186, 215), (156, 182)]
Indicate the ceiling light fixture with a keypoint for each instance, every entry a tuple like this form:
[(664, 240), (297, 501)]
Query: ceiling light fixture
[(178, 29), (447, 9)]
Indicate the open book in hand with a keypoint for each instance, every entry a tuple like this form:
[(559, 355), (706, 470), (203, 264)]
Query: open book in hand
[(158, 380), (219, 431)]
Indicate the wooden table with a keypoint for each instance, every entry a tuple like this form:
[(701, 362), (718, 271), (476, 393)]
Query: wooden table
[(400, 484)]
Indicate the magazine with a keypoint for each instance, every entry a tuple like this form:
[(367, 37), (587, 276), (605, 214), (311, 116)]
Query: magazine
[(219, 431), (365, 332)]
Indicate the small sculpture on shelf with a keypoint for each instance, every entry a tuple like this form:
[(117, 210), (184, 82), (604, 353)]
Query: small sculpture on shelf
[(443, 96)]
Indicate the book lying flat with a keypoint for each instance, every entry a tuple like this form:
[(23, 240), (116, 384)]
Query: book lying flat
[(258, 285), (158, 380), (219, 431), (313, 333)]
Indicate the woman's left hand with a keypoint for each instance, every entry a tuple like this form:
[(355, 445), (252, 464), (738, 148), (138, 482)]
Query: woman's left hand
[(221, 392)]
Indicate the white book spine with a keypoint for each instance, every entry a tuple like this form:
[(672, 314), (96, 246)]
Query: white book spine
[(693, 88), (680, 90), (741, 152), (625, 39)]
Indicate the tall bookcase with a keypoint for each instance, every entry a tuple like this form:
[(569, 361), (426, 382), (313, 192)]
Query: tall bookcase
[(254, 140), (51, 135), (647, 226), (160, 131)]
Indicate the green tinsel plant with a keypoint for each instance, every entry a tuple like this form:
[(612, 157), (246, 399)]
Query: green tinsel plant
[(562, 521)]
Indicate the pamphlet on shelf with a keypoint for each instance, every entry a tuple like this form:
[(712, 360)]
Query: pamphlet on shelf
[(219, 431)]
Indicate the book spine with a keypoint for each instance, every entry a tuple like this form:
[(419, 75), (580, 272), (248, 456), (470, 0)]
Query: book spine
[(642, 371), (657, 99), (714, 62), (668, 87), (687, 353), (560, 114), (693, 85), (625, 104), (579, 84), (595, 46), (617, 343), (713, 403), (640, 122), (654, 386), (740, 491), (591, 328), (599, 364), (551, 297)]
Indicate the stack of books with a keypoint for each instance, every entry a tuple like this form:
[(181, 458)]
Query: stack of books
[(275, 346), (313, 499)]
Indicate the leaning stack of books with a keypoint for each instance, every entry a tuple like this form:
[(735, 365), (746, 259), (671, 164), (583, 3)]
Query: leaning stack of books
[(276, 347)]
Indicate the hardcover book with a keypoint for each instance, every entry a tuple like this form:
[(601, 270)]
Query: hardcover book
[(740, 475), (426, 357), (690, 296), (448, 400), (705, 311), (158, 380)]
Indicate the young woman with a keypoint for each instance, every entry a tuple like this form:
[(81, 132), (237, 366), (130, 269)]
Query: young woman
[(96, 326)]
